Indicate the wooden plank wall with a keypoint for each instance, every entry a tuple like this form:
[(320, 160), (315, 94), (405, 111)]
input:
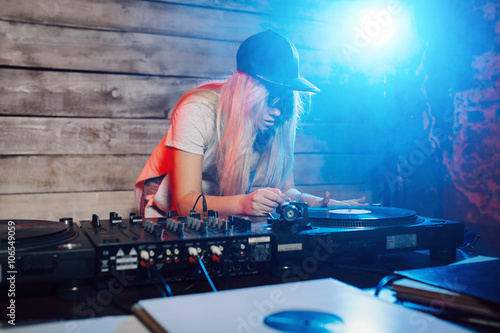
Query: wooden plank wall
[(86, 87)]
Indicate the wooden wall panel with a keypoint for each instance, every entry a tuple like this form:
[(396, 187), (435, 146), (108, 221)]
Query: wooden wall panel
[(57, 135), (54, 47), (79, 206), (258, 6), (69, 94), (69, 173), (105, 51), (320, 169), (84, 173), (86, 87), (32, 135), (337, 138), (207, 20), (139, 16)]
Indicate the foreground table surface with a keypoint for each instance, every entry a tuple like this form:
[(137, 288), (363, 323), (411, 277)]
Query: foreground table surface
[(324, 305)]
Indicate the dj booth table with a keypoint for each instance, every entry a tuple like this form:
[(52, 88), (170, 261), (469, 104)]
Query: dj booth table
[(381, 241), (39, 302), (242, 309)]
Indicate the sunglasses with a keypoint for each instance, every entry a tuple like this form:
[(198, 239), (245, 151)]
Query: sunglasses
[(281, 100)]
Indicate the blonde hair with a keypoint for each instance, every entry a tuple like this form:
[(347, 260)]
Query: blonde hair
[(241, 102)]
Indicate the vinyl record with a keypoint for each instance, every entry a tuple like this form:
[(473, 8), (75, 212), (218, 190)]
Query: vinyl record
[(31, 234), (362, 216), (302, 321)]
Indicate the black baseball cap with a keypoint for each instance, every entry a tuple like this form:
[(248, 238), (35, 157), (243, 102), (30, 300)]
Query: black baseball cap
[(272, 58)]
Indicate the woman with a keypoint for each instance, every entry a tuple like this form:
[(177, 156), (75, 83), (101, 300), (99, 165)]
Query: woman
[(226, 137)]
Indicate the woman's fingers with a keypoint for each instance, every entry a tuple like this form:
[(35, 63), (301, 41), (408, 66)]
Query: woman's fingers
[(266, 200), (326, 200), (350, 202)]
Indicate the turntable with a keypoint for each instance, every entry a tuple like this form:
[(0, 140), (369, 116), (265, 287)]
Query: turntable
[(32, 234), (345, 231), (40, 251), (362, 217)]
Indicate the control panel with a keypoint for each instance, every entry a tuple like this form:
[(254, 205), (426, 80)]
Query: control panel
[(144, 249)]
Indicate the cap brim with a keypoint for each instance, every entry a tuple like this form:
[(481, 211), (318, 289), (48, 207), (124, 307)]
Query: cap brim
[(297, 84)]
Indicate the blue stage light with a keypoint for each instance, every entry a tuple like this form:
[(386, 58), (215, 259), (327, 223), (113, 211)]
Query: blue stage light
[(378, 26), (371, 37)]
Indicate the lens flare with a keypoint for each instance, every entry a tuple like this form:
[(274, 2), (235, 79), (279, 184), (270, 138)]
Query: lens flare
[(379, 26)]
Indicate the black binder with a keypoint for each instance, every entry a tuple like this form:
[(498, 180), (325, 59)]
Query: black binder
[(470, 290), (479, 279)]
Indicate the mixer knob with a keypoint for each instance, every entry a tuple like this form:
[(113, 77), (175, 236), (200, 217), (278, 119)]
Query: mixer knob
[(96, 221)]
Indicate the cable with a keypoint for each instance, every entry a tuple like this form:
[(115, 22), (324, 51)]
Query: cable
[(148, 263), (385, 281), (227, 276), (206, 274), (205, 207), (156, 284), (194, 253), (196, 202), (165, 283)]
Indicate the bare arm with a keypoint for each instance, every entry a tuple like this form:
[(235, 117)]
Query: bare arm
[(291, 193), (187, 178)]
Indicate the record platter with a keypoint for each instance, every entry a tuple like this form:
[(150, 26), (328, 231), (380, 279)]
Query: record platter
[(40, 251), (362, 217), (32, 234)]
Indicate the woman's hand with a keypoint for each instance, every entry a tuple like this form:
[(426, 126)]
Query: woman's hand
[(327, 202), (262, 201)]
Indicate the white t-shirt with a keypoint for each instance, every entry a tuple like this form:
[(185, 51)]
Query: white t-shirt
[(194, 130)]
